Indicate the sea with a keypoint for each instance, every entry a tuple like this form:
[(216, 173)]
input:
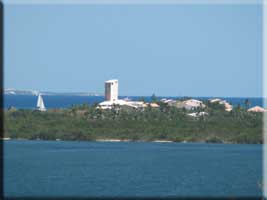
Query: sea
[(61, 101), (53, 169)]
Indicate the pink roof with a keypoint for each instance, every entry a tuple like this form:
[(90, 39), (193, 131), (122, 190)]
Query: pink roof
[(256, 109), (154, 105)]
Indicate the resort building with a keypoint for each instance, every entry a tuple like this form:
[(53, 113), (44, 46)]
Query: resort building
[(193, 104), (227, 106), (168, 101), (215, 100), (153, 105), (112, 100), (189, 104), (256, 109)]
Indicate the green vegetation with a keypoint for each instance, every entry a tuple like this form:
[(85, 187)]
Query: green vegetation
[(86, 122)]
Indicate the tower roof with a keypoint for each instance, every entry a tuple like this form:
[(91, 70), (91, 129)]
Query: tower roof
[(111, 81)]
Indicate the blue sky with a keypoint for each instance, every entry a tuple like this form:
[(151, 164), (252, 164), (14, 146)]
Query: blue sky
[(169, 50)]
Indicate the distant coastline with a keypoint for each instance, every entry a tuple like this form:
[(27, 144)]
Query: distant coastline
[(9, 91)]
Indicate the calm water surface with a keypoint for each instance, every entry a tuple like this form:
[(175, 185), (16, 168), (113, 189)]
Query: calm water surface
[(58, 168)]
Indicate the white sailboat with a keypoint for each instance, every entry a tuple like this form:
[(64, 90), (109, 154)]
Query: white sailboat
[(40, 103)]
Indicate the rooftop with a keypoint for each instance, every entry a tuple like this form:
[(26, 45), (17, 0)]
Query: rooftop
[(256, 109), (111, 81)]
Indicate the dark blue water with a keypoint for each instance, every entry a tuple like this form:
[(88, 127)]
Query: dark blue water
[(58, 168), (29, 102)]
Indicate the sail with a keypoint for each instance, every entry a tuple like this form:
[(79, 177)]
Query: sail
[(40, 103)]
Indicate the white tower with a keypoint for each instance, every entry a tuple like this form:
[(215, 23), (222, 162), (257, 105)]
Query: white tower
[(111, 90)]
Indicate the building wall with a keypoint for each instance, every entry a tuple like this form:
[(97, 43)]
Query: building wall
[(107, 91), (111, 90)]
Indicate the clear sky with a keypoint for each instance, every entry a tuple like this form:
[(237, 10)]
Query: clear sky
[(169, 50)]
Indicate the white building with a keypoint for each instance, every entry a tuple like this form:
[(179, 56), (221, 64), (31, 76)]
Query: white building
[(111, 90), (193, 104), (111, 97), (215, 100), (227, 106), (195, 114)]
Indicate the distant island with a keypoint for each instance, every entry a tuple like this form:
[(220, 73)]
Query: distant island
[(165, 120)]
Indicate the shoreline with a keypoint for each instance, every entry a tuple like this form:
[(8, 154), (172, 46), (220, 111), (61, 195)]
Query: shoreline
[(97, 140), (126, 140)]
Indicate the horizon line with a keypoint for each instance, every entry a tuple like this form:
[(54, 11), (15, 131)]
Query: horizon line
[(131, 95)]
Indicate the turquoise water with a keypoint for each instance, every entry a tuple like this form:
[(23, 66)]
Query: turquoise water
[(128, 169)]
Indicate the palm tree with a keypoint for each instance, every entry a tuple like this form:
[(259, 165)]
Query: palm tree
[(153, 98), (247, 103), (238, 107)]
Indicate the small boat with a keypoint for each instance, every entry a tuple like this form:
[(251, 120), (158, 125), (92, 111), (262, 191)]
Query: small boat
[(127, 99), (40, 103)]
